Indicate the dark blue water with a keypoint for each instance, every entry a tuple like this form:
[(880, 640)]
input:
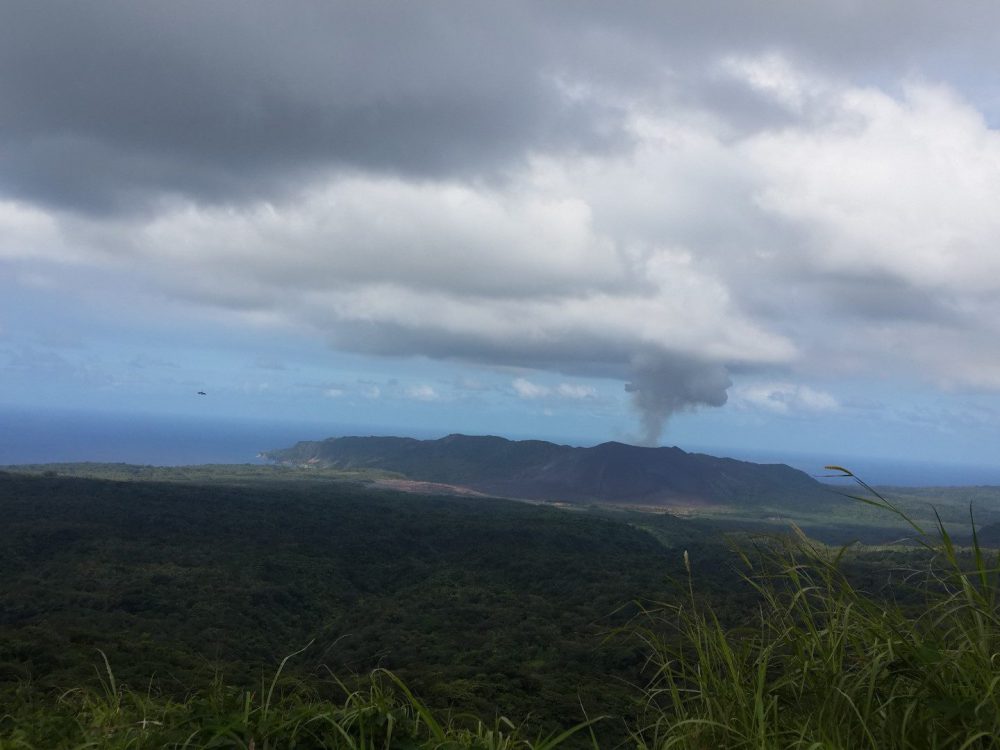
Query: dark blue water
[(921, 474), (51, 437), (879, 471)]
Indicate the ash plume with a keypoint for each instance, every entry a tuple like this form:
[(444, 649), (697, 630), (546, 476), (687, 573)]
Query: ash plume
[(660, 388)]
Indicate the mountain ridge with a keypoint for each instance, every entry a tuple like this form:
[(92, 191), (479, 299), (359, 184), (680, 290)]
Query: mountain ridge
[(610, 472)]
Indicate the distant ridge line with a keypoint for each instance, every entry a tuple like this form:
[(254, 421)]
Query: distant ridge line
[(610, 472)]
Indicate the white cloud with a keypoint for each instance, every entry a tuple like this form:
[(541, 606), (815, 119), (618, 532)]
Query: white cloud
[(444, 237), (472, 385), (576, 391), (784, 398), (422, 392), (30, 233), (528, 390), (774, 76), (906, 187)]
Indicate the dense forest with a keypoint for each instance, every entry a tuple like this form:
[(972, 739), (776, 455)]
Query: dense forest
[(182, 597), (494, 604)]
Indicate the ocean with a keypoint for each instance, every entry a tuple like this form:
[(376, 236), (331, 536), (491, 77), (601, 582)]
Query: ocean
[(156, 440)]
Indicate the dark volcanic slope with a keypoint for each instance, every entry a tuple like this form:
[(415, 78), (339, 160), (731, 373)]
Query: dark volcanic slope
[(537, 470)]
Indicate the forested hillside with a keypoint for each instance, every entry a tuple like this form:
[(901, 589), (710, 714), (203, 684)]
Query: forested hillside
[(141, 614), (496, 605), (538, 470)]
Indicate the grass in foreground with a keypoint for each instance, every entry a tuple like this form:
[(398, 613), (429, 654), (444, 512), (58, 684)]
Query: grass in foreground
[(284, 714), (824, 665)]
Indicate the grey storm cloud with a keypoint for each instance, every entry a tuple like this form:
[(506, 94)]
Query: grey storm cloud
[(235, 100), (665, 193), (108, 104)]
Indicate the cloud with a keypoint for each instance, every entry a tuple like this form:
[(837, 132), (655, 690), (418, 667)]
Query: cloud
[(471, 385), (890, 186), (526, 389), (651, 196), (576, 391), (520, 277), (115, 105), (439, 236), (785, 398), (422, 392), (775, 78), (529, 390)]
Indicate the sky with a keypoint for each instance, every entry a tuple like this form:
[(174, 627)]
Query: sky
[(765, 227)]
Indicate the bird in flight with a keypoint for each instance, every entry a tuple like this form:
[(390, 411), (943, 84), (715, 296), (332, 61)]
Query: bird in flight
[(202, 393)]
